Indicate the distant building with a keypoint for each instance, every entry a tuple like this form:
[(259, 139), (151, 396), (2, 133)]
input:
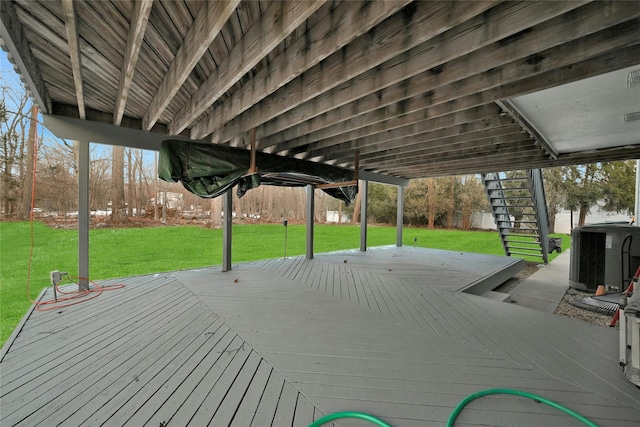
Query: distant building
[(333, 216), (596, 215)]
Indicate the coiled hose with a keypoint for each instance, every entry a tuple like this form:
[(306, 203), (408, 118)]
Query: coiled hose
[(458, 409)]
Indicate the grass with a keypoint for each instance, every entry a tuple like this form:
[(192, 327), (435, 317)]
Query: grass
[(133, 251)]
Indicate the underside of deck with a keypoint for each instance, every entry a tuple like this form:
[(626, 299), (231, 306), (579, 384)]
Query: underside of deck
[(281, 342)]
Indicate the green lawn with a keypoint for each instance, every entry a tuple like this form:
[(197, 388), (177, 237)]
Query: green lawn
[(133, 251)]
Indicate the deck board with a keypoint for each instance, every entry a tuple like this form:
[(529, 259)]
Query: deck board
[(152, 353), (284, 341), (305, 349), (249, 404)]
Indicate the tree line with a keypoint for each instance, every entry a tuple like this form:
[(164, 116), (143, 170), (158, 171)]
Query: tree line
[(123, 184)]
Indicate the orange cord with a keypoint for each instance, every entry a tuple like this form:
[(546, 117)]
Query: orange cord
[(77, 296)]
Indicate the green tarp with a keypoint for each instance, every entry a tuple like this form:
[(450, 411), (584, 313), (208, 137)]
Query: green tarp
[(209, 170)]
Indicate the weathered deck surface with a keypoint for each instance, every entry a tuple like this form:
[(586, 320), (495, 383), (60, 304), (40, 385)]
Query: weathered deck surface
[(280, 342)]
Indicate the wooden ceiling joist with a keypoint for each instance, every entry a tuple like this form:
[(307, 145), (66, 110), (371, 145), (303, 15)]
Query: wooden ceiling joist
[(71, 25), (16, 44), (343, 24), (275, 24), (206, 27), (360, 59), (449, 85), (551, 76), (412, 85), (137, 27)]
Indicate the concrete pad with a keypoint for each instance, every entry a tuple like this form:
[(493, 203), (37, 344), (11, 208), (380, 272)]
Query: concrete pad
[(545, 288)]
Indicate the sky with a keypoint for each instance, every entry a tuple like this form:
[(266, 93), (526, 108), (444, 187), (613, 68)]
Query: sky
[(10, 77)]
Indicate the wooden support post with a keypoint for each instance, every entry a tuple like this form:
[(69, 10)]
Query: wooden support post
[(310, 220), (84, 215), (364, 185), (399, 216), (227, 226), (356, 166), (356, 173)]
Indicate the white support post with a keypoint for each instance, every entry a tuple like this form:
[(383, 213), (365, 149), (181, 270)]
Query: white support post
[(364, 199), (310, 216), (84, 215), (227, 223), (399, 216)]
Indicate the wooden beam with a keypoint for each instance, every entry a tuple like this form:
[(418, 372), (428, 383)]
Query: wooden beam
[(205, 28), (396, 179), (275, 24), (73, 40), (343, 24), (399, 33), (336, 184), (15, 42), (356, 175), (137, 26), (410, 95), (509, 108)]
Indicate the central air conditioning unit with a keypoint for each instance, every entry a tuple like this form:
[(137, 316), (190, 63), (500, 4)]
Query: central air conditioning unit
[(604, 254)]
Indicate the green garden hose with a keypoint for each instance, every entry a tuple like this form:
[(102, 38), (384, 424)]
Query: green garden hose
[(350, 414), (551, 403), (458, 409)]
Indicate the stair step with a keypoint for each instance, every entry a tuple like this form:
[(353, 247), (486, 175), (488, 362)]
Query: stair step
[(517, 210), (520, 242), (521, 248), (523, 178), (497, 296), (512, 198), (522, 235), (510, 189), (526, 254)]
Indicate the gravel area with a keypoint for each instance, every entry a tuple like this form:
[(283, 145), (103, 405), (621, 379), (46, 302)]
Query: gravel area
[(568, 310), (564, 308)]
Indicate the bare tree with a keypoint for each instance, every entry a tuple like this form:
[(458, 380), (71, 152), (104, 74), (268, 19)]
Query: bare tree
[(57, 186), (431, 200), (117, 188), (356, 209), (27, 171), (473, 199), (13, 121), (99, 180)]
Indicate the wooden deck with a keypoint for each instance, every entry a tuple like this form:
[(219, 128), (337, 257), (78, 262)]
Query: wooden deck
[(282, 342)]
